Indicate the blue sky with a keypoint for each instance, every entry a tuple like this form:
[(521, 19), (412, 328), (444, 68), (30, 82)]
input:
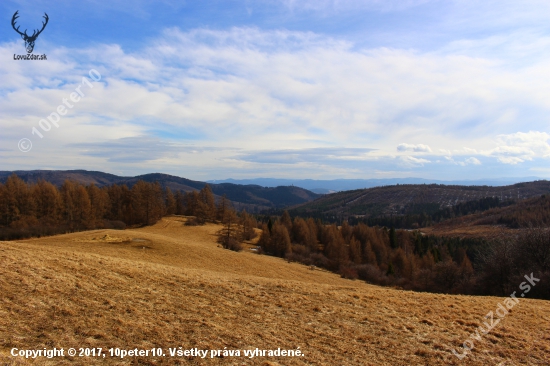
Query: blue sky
[(286, 89)]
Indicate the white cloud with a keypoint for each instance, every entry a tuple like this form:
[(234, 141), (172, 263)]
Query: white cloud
[(472, 161), (279, 90), (415, 148), (512, 160), (466, 150), (412, 161), (520, 147), (534, 141)]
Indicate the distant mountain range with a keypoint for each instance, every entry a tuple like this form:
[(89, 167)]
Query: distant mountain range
[(253, 198), (376, 197), (338, 185)]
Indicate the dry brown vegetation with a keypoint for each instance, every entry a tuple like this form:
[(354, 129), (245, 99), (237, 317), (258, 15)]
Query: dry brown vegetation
[(172, 285), (497, 222), (467, 230)]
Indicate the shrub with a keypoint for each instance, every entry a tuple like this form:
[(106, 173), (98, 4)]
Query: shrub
[(192, 221), (349, 273), (230, 243), (319, 260), (115, 225), (370, 273)]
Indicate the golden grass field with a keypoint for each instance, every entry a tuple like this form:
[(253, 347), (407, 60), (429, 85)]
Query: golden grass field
[(468, 230), (170, 285)]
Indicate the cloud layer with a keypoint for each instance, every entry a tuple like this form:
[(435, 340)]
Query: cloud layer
[(243, 100)]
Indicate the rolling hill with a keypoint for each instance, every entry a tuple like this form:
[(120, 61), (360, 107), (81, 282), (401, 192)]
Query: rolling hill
[(411, 199), (251, 197), (336, 185), (170, 286)]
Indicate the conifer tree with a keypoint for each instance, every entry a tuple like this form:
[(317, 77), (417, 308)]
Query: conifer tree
[(355, 251), (229, 236), (346, 231), (286, 220), (335, 247), (20, 200), (390, 270), (223, 205), (265, 239), (368, 255), (170, 201), (148, 202), (248, 223), (48, 201), (393, 238), (270, 225), (82, 206), (4, 206), (206, 207), (99, 203), (280, 241), (191, 202), (67, 195), (180, 203)]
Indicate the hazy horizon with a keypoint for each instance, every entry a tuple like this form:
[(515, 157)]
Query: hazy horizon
[(451, 90)]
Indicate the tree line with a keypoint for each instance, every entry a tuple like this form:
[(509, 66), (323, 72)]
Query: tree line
[(411, 216), (409, 259), (531, 212), (34, 210)]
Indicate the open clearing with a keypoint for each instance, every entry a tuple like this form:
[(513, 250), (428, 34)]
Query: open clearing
[(170, 285)]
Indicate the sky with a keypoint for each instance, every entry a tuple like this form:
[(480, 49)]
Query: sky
[(325, 89)]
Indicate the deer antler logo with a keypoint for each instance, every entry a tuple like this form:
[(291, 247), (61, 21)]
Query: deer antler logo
[(29, 40)]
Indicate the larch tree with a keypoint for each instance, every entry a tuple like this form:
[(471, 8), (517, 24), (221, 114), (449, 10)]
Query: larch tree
[(117, 200), (229, 236), (223, 205), (67, 197), (20, 200), (280, 244), (355, 251), (180, 203), (392, 238), (49, 205), (191, 203), (286, 220), (148, 202), (171, 205), (99, 203), (248, 223), (206, 207), (82, 206)]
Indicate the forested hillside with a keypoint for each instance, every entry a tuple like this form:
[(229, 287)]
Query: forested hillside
[(410, 259), (531, 212), (405, 205)]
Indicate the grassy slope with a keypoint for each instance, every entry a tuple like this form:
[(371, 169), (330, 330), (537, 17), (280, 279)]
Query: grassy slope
[(88, 290)]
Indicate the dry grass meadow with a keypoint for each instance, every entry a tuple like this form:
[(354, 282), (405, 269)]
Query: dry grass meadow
[(170, 285)]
